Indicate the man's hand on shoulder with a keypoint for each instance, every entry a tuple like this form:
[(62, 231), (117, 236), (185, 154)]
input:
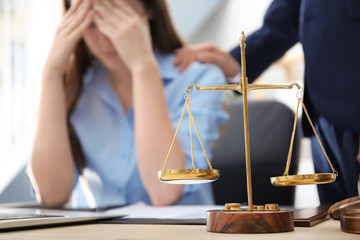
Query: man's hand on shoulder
[(206, 52)]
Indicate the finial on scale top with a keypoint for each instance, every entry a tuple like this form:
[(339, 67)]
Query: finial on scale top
[(242, 39)]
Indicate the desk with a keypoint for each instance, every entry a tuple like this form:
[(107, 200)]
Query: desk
[(327, 230)]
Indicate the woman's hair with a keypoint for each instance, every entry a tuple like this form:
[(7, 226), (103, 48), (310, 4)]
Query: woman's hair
[(164, 38)]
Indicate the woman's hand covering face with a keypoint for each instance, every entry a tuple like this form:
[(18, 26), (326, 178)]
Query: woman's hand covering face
[(68, 34), (126, 25)]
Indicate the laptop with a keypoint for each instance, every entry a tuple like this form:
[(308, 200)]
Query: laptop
[(12, 218)]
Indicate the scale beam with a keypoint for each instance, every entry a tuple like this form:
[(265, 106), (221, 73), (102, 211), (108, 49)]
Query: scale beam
[(233, 87), (271, 86), (249, 87)]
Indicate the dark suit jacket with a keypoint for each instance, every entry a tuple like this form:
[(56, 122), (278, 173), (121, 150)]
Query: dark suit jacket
[(329, 31)]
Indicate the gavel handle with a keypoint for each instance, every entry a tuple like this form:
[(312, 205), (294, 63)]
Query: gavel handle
[(337, 209)]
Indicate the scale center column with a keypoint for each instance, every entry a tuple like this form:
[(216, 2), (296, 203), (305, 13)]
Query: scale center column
[(243, 85)]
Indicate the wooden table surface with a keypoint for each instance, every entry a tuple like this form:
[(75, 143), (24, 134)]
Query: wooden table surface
[(327, 230)]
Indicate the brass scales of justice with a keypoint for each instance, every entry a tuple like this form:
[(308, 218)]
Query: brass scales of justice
[(253, 218)]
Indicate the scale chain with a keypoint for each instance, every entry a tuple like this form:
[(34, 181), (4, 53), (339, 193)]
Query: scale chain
[(176, 132), (318, 139), (299, 97), (187, 104)]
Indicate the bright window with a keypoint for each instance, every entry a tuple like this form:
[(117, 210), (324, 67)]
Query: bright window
[(26, 31)]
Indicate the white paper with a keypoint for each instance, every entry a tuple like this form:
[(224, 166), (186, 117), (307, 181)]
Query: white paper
[(142, 210)]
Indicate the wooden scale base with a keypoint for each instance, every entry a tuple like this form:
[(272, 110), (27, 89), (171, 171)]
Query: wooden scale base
[(243, 221)]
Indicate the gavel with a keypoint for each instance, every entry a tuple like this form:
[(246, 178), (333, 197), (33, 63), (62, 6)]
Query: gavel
[(348, 211), (337, 209)]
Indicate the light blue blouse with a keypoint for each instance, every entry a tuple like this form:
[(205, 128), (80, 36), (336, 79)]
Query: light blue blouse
[(106, 133)]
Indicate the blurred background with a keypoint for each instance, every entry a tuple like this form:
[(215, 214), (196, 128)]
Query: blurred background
[(26, 31)]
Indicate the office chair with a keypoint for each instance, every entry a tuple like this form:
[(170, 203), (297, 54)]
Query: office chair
[(270, 127)]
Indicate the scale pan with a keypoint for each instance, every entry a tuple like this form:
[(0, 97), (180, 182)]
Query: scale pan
[(188, 176), (292, 180)]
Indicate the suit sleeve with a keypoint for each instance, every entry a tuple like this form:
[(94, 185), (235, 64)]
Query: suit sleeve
[(280, 31)]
